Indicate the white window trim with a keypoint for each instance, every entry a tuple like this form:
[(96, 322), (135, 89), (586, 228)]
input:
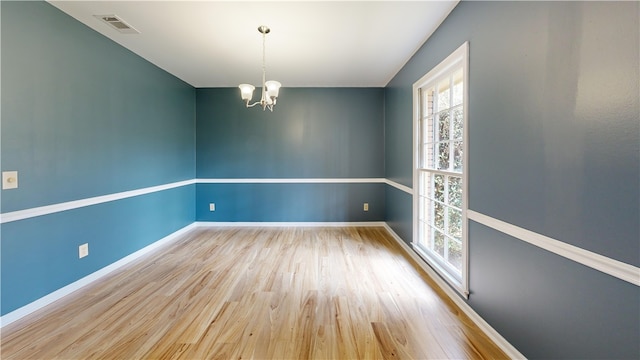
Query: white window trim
[(459, 57)]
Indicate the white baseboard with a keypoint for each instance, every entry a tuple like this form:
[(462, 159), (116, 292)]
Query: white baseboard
[(500, 341), (66, 290), (60, 293)]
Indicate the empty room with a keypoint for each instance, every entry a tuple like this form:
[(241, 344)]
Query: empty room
[(320, 179)]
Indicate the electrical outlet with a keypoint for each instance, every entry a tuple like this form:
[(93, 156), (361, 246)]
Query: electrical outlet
[(366, 207), (9, 180), (83, 250), (212, 207)]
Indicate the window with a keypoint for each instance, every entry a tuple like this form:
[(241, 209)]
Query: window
[(440, 152)]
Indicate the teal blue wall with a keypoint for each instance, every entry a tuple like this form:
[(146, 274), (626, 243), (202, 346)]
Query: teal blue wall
[(554, 136), (554, 148), (313, 133), (83, 117), (300, 202), (398, 157), (40, 255)]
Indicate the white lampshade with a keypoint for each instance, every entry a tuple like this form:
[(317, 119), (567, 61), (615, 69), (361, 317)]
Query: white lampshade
[(246, 91), (273, 87)]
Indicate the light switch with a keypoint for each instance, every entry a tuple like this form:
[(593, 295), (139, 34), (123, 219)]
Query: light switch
[(83, 250), (9, 180)]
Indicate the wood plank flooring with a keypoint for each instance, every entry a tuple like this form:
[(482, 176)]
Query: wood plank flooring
[(262, 293)]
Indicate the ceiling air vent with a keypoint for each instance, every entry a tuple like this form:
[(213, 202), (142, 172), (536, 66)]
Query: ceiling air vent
[(117, 23)]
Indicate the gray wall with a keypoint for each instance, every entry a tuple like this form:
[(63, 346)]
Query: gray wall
[(554, 134)]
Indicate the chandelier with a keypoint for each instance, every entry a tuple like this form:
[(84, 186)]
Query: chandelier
[(270, 88)]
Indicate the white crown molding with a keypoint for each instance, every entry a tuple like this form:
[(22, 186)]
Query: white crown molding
[(495, 336), (618, 269)]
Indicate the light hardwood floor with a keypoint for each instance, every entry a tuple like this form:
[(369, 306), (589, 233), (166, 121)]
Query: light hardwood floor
[(263, 293)]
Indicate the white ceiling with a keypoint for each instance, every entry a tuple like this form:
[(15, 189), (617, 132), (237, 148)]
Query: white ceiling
[(311, 44)]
